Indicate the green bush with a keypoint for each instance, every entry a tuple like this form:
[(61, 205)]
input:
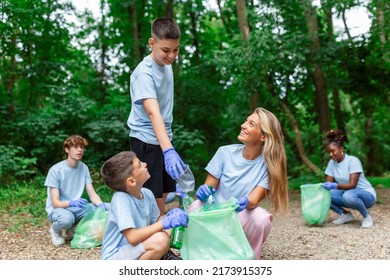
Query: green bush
[(14, 165)]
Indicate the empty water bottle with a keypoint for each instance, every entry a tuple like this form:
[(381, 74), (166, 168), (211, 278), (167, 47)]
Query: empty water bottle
[(187, 200), (186, 181), (211, 202)]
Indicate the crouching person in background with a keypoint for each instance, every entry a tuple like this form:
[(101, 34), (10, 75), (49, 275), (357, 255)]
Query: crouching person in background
[(66, 182)]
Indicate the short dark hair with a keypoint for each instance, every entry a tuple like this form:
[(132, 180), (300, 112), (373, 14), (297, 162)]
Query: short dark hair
[(165, 28), (117, 169)]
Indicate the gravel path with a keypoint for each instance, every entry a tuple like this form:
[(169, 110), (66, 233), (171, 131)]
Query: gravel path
[(290, 238)]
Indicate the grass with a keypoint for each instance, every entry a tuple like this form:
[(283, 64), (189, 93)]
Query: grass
[(23, 202), (380, 182)]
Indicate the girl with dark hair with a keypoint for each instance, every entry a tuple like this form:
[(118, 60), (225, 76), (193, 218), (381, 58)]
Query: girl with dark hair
[(349, 188)]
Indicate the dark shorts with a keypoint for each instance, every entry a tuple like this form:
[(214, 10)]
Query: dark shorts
[(159, 182)]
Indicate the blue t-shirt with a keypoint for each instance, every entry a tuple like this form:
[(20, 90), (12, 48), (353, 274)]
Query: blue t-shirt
[(70, 181), (150, 80), (127, 212), (341, 172), (237, 175)]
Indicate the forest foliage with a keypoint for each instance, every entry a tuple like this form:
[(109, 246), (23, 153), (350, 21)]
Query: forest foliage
[(60, 77)]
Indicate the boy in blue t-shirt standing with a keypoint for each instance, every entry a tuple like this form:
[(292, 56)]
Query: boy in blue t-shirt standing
[(150, 119)]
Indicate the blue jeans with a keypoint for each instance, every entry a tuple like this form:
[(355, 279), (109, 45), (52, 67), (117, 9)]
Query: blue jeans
[(354, 199), (64, 218)]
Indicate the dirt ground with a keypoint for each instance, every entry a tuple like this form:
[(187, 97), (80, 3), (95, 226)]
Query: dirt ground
[(290, 238)]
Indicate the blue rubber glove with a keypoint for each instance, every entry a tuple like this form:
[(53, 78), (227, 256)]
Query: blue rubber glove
[(173, 164), (80, 202), (173, 211), (203, 192), (103, 206), (329, 185), (175, 218), (242, 203)]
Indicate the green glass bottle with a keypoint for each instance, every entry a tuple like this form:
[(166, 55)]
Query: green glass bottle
[(177, 237)]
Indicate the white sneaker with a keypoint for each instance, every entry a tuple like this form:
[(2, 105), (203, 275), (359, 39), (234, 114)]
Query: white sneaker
[(69, 234), (367, 222), (56, 237), (344, 218)]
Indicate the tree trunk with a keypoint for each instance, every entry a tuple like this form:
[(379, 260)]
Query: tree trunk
[(291, 142), (337, 110), (12, 79), (223, 18), (318, 76), (29, 60), (244, 30), (369, 143), (242, 20), (381, 27), (132, 10), (169, 10), (346, 26), (380, 16), (195, 37), (103, 48), (298, 139)]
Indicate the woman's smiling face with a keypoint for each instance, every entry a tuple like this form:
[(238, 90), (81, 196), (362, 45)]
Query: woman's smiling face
[(251, 130)]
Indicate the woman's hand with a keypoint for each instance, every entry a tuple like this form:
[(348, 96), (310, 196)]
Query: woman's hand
[(242, 203), (329, 185), (203, 192)]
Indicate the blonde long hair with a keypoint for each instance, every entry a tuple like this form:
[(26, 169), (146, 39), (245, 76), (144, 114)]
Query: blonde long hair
[(275, 158)]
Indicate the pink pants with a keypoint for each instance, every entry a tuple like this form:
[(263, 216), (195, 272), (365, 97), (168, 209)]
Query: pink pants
[(256, 223)]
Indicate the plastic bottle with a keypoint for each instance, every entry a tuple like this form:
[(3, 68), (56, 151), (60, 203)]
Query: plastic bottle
[(186, 181), (187, 200), (178, 232), (211, 203), (177, 237)]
